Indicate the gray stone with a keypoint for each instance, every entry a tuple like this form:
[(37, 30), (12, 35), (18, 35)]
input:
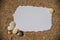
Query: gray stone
[(20, 33)]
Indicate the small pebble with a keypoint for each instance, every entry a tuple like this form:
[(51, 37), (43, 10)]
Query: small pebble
[(15, 30), (9, 32), (20, 33)]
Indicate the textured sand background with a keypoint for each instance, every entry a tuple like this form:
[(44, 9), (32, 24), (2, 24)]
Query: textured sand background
[(8, 7)]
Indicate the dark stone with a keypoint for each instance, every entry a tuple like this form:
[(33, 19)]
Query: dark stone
[(20, 33)]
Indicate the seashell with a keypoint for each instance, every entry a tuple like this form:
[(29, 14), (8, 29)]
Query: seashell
[(12, 23), (15, 30), (20, 33), (11, 27), (51, 10)]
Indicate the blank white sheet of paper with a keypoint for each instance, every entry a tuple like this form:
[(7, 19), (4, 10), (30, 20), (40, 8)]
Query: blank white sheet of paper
[(30, 18)]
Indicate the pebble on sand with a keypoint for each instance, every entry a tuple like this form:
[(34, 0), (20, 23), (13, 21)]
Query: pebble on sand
[(20, 33)]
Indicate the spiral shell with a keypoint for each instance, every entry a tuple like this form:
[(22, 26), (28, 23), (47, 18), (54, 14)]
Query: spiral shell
[(15, 30)]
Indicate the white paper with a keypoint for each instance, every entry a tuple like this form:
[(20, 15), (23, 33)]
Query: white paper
[(29, 18)]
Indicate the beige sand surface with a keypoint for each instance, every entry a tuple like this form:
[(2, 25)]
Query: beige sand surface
[(8, 7)]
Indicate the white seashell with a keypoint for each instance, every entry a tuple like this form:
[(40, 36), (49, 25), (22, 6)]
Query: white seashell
[(11, 27), (12, 23)]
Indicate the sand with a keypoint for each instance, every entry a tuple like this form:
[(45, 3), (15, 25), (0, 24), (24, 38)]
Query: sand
[(7, 8)]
